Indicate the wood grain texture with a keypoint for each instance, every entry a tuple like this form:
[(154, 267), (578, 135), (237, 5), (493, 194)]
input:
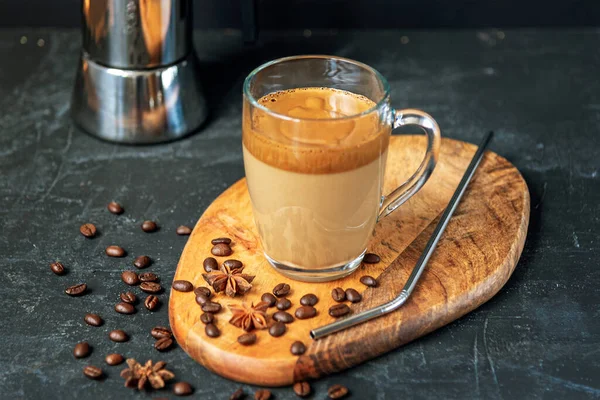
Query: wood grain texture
[(474, 259)]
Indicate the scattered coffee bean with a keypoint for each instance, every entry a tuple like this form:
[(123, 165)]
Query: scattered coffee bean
[(221, 250), (93, 319), (150, 287), (151, 302), (201, 299), (115, 208), (353, 296), (183, 230), (305, 312), (114, 359), (283, 316), (148, 277), (159, 332), (124, 308), (339, 310), (212, 331), (142, 262), (115, 251), (128, 297), (338, 294), (118, 336), (262, 394), (283, 304), (298, 348), (92, 372), (204, 291), (233, 264), (268, 298), (182, 389), (88, 230), (163, 344), (277, 329), (371, 258), (211, 307), (221, 240), (76, 290), (207, 318), (183, 286), (281, 290), (57, 268), (81, 350), (337, 392), (247, 339), (309, 300), (237, 395), (130, 277), (368, 280), (210, 264), (302, 389), (149, 226)]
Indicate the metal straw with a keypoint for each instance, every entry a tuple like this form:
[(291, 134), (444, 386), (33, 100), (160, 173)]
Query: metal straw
[(421, 263)]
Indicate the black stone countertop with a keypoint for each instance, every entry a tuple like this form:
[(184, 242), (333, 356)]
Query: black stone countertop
[(538, 89)]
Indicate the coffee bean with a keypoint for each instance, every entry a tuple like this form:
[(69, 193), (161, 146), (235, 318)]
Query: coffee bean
[(302, 389), (114, 359), (282, 316), (57, 268), (115, 251), (268, 298), (207, 318), (298, 348), (150, 287), (81, 350), (118, 336), (183, 286), (151, 302), (88, 230), (183, 230), (277, 329), (159, 332), (76, 290), (262, 394), (309, 300), (237, 395), (247, 339), (211, 307), (148, 277), (337, 392), (128, 297), (115, 208), (353, 296), (283, 304), (149, 226), (338, 294), (142, 262), (93, 319), (212, 331), (163, 344), (92, 372), (371, 258), (368, 281), (233, 264), (182, 389), (204, 291), (130, 277), (281, 289), (210, 264), (305, 312), (339, 310), (201, 299), (221, 240), (124, 308), (221, 250)]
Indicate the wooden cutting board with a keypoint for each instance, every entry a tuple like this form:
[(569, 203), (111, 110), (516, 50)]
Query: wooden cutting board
[(474, 259)]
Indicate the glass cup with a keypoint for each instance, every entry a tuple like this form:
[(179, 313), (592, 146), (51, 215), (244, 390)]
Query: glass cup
[(316, 183)]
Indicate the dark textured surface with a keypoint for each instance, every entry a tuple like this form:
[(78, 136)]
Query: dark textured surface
[(539, 90)]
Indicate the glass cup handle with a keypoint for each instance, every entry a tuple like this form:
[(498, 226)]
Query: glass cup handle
[(405, 191)]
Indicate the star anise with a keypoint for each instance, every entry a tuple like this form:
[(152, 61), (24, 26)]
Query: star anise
[(232, 281), (138, 375), (249, 317)]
